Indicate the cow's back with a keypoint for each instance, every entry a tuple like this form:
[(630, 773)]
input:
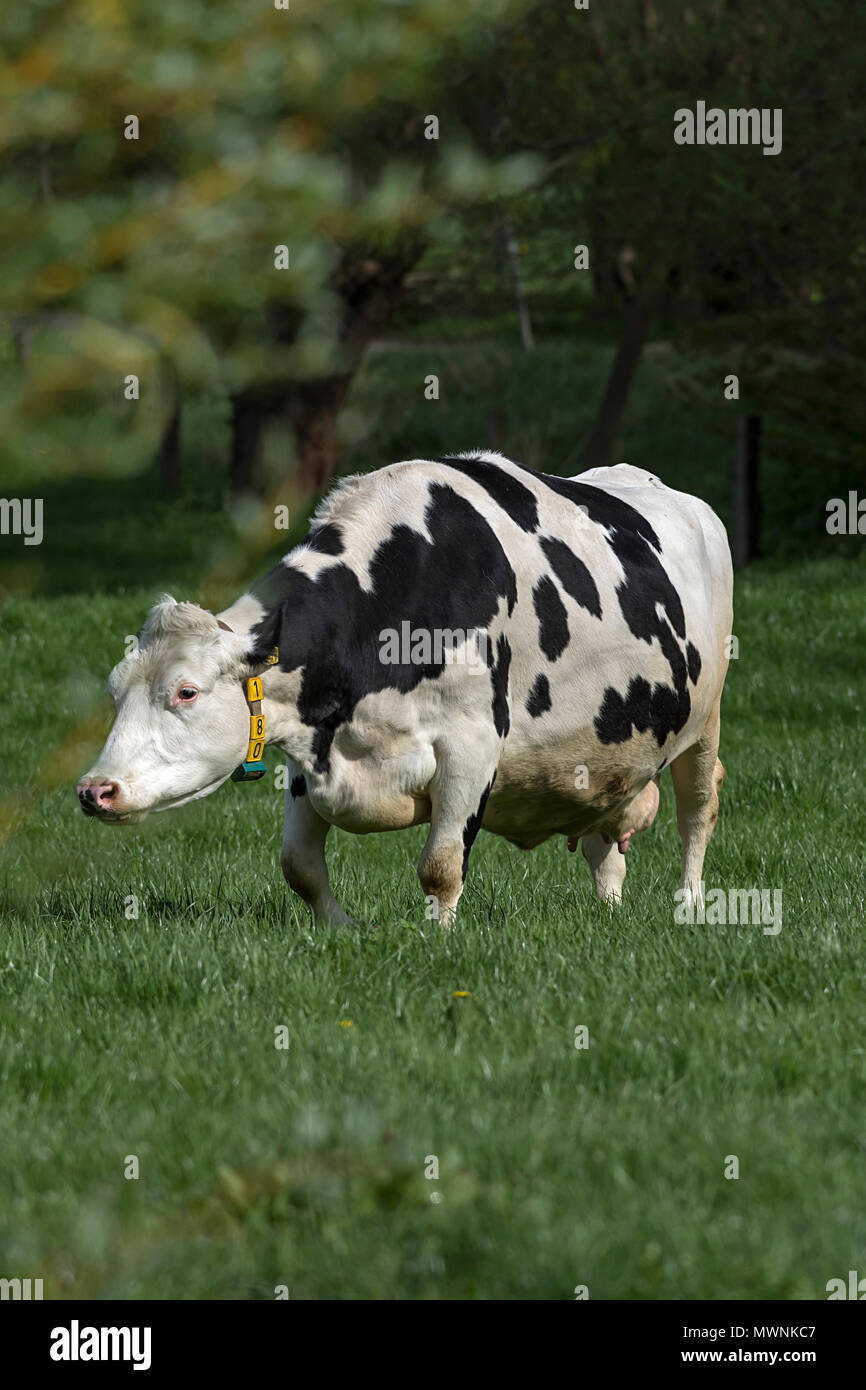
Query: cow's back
[(608, 593)]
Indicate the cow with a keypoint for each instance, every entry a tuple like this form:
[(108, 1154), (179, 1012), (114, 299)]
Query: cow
[(461, 642)]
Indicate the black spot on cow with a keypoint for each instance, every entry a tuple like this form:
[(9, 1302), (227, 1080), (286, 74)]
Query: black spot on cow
[(600, 506), (538, 701), (617, 716), (297, 787), (572, 574), (645, 589), (552, 618), (643, 707), (473, 825), (499, 668), (330, 628), (693, 657), (507, 492), (326, 539), (645, 586)]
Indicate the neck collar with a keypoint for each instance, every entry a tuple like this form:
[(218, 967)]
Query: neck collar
[(253, 767)]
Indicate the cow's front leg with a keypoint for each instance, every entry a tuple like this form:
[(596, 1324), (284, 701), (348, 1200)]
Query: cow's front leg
[(302, 858), (457, 799), (608, 867)]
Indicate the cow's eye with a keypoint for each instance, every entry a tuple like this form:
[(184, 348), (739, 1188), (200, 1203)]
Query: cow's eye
[(186, 695)]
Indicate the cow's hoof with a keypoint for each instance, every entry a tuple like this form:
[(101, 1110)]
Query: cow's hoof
[(360, 924)]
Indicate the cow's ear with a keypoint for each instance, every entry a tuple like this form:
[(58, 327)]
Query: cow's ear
[(262, 650), (238, 652), (255, 663)]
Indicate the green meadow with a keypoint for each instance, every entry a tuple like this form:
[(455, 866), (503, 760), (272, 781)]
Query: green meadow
[(307, 1166)]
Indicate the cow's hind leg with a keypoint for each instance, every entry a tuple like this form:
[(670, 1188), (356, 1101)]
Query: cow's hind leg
[(607, 865), (457, 803), (697, 775), (606, 857), (302, 858)]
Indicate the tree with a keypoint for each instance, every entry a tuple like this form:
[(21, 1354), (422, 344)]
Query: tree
[(679, 230), (157, 157)]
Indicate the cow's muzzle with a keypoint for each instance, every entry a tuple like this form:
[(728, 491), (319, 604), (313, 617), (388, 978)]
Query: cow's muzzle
[(99, 798)]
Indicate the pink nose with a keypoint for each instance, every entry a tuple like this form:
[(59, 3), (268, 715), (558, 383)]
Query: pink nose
[(96, 796)]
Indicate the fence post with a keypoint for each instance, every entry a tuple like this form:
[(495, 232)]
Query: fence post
[(747, 497)]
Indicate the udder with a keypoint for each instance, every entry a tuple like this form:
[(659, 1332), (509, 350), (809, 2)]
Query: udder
[(637, 816)]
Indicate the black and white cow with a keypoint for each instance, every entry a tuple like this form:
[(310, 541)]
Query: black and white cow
[(463, 642)]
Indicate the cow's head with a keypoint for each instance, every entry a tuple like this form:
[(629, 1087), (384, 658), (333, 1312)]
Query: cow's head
[(182, 721)]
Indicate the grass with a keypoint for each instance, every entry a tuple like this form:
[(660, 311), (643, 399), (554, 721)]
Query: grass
[(153, 1036), (304, 1167)]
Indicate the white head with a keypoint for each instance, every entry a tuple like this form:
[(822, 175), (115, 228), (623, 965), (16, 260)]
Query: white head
[(182, 721)]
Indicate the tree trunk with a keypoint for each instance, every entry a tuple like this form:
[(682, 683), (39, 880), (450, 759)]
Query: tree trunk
[(168, 464), (609, 291), (370, 286), (607, 426), (513, 256), (247, 417), (746, 529), (315, 410)]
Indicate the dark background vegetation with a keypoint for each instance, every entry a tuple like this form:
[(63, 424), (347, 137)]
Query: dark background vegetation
[(411, 256)]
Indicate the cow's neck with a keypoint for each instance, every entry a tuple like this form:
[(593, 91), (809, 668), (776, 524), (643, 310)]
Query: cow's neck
[(283, 725)]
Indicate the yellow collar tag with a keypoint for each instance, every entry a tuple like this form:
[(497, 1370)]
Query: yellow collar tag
[(253, 767)]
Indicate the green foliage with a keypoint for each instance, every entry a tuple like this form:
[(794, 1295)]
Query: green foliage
[(305, 128), (256, 128)]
